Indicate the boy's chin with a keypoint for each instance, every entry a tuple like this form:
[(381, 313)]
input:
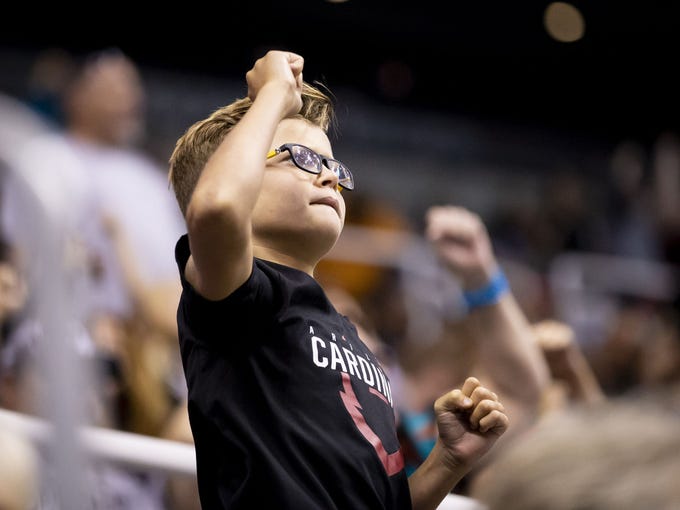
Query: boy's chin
[(306, 244), (323, 241)]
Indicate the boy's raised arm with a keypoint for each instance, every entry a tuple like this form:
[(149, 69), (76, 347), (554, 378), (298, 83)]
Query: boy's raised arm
[(219, 214)]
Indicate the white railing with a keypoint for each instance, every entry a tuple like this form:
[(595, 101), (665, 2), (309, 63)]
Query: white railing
[(123, 448)]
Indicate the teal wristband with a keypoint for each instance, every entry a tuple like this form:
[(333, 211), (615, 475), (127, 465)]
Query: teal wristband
[(490, 294)]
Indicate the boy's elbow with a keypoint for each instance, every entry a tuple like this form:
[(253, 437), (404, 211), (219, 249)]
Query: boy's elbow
[(212, 208)]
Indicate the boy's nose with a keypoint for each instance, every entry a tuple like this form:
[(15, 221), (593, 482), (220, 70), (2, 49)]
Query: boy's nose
[(327, 177)]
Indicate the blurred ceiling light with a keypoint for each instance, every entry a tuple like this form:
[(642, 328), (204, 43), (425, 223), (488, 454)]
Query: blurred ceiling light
[(564, 22)]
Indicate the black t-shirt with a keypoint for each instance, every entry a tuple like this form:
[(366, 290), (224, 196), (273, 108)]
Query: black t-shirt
[(288, 407)]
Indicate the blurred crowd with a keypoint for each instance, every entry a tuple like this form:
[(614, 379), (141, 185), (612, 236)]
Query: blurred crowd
[(598, 429), (78, 173)]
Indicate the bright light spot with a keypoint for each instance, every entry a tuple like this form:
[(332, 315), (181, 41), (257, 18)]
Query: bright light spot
[(564, 22)]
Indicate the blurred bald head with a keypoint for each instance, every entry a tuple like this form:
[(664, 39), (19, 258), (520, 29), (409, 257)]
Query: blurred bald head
[(620, 455)]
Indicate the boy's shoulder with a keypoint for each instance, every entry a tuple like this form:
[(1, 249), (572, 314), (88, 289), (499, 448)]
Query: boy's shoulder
[(183, 252), (265, 274)]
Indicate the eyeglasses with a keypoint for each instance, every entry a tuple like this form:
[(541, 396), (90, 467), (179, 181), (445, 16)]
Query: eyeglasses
[(309, 161)]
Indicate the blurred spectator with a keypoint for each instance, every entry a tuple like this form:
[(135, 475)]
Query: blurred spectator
[(492, 341), (579, 213), (642, 349), (561, 220), (150, 365), (112, 206), (94, 169), (618, 455), (16, 387), (628, 226), (91, 176), (49, 77), (573, 381), (666, 169), (13, 290)]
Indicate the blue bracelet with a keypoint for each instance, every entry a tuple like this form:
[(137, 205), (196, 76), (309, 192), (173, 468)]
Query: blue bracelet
[(490, 294)]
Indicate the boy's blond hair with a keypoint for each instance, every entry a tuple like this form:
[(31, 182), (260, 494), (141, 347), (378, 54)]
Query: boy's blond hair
[(199, 142)]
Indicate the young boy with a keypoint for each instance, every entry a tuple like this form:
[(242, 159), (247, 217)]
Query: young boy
[(288, 407)]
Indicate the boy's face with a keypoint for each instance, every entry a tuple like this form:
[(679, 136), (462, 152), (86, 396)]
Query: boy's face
[(297, 212)]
